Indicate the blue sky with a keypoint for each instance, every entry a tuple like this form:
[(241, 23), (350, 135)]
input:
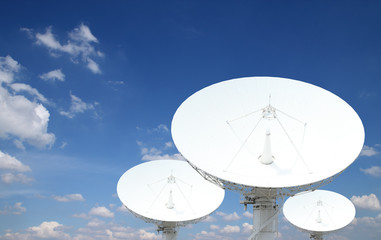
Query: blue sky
[(88, 90)]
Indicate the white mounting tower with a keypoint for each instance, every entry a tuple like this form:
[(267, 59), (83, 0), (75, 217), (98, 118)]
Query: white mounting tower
[(168, 193), (267, 138), (319, 212)]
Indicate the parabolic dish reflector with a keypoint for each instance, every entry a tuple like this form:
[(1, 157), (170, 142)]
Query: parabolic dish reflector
[(267, 132), (319, 211), (168, 191)]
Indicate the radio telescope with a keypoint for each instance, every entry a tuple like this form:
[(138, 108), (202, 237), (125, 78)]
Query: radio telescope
[(267, 138), (168, 193), (319, 212)]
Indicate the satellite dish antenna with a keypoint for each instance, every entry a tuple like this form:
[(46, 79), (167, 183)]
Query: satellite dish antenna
[(267, 137), (319, 212), (168, 193)]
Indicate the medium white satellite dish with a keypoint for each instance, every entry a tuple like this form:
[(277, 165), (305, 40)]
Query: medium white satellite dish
[(319, 212), (267, 137), (168, 193)]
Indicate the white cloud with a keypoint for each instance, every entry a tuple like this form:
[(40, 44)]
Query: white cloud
[(19, 87), (214, 227), (46, 230), (374, 171), (10, 163), (16, 209), (8, 67), (229, 217), (49, 230), (54, 75), (80, 46), (95, 223), (81, 215), (248, 214), (204, 235), (19, 116), (368, 151), (69, 198), (152, 157), (247, 228), (10, 178), (122, 208), (77, 106), (230, 229), (19, 144), (93, 66), (151, 154), (83, 34), (102, 212), (370, 202)]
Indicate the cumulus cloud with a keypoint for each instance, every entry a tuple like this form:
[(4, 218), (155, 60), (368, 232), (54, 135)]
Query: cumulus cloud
[(21, 118), (80, 45), (370, 202), (54, 75), (101, 212), (151, 154), (368, 151), (247, 228), (8, 68), (248, 214), (8, 162), (16, 209), (69, 198), (77, 106), (374, 171), (95, 229), (122, 208), (214, 227), (230, 229), (46, 230), (229, 217)]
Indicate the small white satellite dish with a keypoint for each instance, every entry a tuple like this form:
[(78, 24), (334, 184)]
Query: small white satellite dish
[(319, 212), (169, 193)]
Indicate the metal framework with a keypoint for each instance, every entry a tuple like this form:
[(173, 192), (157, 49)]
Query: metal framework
[(169, 229), (267, 202)]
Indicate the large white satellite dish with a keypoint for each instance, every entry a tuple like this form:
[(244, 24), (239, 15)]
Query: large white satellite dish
[(265, 137), (168, 193), (319, 212), (267, 132)]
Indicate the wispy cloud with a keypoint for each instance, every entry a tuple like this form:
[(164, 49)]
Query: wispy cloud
[(16, 209), (370, 202), (21, 87), (80, 45), (10, 178), (77, 106), (374, 171), (368, 151), (152, 153), (54, 75), (69, 198)]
